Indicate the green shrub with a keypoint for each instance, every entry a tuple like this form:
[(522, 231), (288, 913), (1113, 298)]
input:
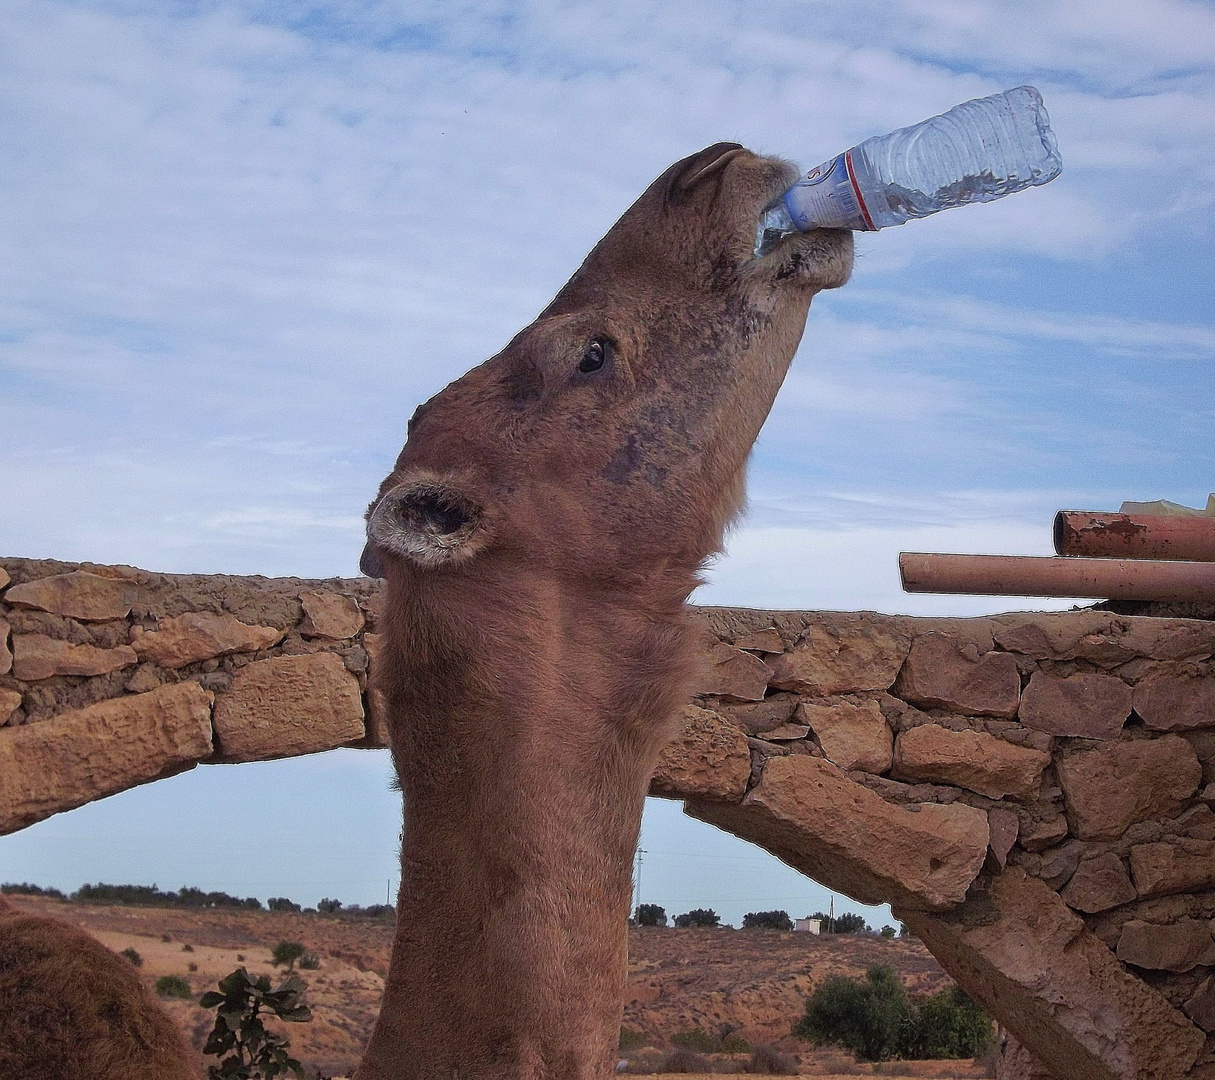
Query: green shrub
[(248, 1051), (631, 1040), (876, 1020), (26, 889), (327, 906), (695, 1039), (888, 932), (767, 920), (133, 956), (281, 903), (287, 952), (871, 1018), (174, 986), (731, 1043), (698, 917), (651, 915)]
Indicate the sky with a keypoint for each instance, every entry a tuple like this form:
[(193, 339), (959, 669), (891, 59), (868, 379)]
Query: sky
[(241, 241)]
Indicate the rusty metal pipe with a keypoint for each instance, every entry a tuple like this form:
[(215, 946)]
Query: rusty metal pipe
[(1135, 536), (1019, 575)]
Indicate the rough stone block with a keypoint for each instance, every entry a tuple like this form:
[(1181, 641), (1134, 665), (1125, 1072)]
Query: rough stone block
[(1030, 962), (853, 736), (1108, 789), (943, 673), (6, 657), (758, 717), (200, 635), (809, 814), (1175, 701), (377, 704), (1099, 883), (765, 641), (733, 673), (1201, 1006), (709, 759), (10, 702), (36, 656), (970, 759), (1003, 826), (4, 578), (1045, 834), (85, 754), (78, 595), (1161, 869), (288, 705), (330, 615), (842, 660), (1086, 705), (1176, 947)]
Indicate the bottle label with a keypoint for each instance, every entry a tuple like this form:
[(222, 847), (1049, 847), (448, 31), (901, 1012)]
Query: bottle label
[(828, 197)]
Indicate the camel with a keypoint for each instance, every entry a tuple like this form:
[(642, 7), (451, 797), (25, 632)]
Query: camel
[(72, 1010), (539, 537)]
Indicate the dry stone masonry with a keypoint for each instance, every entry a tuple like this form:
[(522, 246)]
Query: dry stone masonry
[(1032, 792)]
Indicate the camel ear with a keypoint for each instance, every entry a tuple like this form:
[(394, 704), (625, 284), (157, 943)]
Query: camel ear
[(427, 521)]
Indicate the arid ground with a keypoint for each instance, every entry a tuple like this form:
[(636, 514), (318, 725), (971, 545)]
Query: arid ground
[(752, 982)]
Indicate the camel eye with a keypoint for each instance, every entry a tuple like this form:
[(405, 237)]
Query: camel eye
[(595, 356)]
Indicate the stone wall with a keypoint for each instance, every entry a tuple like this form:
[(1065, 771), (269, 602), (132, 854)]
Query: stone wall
[(1032, 792)]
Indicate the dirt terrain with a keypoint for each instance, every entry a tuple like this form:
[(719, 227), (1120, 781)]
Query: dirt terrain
[(752, 982)]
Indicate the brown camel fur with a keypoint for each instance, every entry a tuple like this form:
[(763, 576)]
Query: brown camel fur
[(540, 534), (72, 1010)]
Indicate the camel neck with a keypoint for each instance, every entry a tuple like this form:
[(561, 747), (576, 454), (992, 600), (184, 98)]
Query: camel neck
[(522, 810)]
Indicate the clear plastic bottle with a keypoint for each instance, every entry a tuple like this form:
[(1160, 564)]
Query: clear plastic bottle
[(978, 151)]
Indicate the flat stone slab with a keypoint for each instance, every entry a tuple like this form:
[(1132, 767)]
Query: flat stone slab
[(1176, 701), (330, 615), (1108, 789), (975, 760), (709, 759), (1099, 883), (286, 706), (6, 657), (732, 673), (200, 635), (842, 660), (946, 673), (78, 595), (88, 753), (1087, 705), (853, 736), (808, 813), (36, 656), (1032, 964), (1177, 947), (10, 701), (1162, 869)]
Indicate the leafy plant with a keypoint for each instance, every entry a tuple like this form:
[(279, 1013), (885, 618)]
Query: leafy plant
[(173, 986), (252, 1052), (133, 956), (651, 915), (282, 903), (287, 952), (847, 923), (888, 932), (767, 920), (698, 917), (695, 1039), (631, 1040)]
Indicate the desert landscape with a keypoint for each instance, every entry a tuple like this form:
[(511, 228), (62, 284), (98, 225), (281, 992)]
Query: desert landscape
[(750, 983)]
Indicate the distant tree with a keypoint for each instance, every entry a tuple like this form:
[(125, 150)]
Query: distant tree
[(287, 952), (904, 930), (948, 1024), (698, 917), (281, 903), (651, 915), (328, 907), (888, 932), (26, 889), (847, 923), (767, 920), (871, 1018)]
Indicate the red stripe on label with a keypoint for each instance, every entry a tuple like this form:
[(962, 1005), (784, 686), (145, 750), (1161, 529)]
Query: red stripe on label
[(860, 199)]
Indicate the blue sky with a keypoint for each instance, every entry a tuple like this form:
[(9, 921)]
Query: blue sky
[(243, 240)]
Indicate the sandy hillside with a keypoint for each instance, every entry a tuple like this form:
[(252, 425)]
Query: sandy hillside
[(753, 982)]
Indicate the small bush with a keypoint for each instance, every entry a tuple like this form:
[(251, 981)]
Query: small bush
[(698, 917), (949, 1024), (192, 966), (768, 1061), (240, 957), (631, 1040), (732, 1043), (174, 986), (309, 961), (888, 932), (651, 915), (695, 1039), (685, 1060), (133, 956), (287, 952), (165, 937), (187, 948)]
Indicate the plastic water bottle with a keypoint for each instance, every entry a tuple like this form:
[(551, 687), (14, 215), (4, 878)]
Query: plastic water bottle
[(978, 151)]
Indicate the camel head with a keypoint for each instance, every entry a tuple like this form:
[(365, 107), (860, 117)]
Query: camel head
[(608, 440)]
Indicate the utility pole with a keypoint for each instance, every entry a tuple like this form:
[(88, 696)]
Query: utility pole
[(640, 853), (831, 915)]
